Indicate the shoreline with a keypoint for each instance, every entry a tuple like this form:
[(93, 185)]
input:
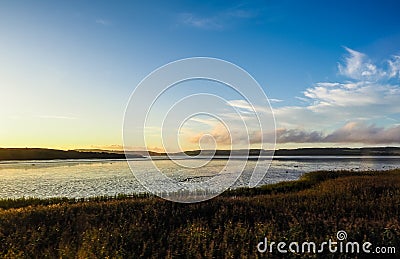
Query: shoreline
[(307, 180)]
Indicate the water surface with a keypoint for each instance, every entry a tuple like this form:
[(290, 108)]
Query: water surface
[(87, 178)]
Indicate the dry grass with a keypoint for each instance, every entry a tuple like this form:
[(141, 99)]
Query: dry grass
[(314, 208)]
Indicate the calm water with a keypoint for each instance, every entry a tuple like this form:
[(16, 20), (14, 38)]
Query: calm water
[(79, 178)]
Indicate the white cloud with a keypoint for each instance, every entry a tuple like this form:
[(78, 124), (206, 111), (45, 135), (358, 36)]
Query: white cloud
[(245, 107), (333, 112), (372, 95), (241, 104), (329, 105), (272, 100), (358, 66), (349, 96), (394, 67), (327, 84)]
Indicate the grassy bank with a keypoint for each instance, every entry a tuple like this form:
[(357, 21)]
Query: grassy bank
[(366, 205)]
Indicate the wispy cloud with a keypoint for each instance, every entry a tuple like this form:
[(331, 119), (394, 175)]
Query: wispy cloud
[(209, 23), (217, 21), (206, 121), (57, 117), (241, 104), (272, 100), (242, 13), (103, 22), (358, 66), (245, 107)]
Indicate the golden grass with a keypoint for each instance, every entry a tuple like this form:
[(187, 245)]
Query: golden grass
[(366, 205)]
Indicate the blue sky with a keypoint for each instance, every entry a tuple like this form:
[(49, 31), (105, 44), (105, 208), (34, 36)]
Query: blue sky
[(67, 68)]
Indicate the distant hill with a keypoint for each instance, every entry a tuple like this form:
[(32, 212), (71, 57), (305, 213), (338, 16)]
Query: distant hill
[(370, 151), (373, 151), (49, 154), (133, 153)]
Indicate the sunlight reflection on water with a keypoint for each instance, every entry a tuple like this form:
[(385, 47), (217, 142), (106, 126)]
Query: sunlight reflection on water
[(79, 178)]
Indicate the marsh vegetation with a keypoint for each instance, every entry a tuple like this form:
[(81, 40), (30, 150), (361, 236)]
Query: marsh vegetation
[(364, 204)]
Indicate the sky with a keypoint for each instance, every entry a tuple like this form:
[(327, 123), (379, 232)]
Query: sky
[(331, 69)]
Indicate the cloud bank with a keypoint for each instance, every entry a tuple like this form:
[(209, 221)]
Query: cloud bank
[(362, 108), (352, 132), (350, 109)]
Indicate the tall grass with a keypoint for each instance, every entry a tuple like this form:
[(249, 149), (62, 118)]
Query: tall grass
[(366, 205)]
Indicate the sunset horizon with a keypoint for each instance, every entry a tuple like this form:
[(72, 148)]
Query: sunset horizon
[(322, 95), (199, 129)]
